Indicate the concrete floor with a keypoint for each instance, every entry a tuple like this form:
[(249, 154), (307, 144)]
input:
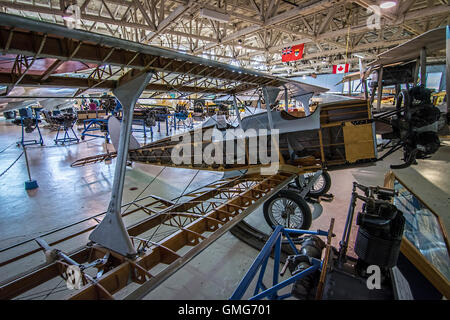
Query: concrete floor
[(67, 195)]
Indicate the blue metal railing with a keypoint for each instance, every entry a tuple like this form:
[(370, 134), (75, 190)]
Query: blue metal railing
[(262, 259)]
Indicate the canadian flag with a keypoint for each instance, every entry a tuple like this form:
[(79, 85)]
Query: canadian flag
[(340, 68)]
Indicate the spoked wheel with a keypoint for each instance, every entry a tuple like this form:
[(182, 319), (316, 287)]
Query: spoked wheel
[(320, 187), (287, 208)]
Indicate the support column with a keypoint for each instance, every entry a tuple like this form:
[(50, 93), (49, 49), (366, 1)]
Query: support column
[(363, 81), (304, 100), (416, 73), (270, 95), (236, 109), (286, 99), (372, 97), (398, 89), (380, 88), (366, 91), (111, 232), (423, 67), (447, 67)]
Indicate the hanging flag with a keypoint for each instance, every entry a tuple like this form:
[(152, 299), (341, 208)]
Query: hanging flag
[(340, 68), (287, 51), (292, 53)]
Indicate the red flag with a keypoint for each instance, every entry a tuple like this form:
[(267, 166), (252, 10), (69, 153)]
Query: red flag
[(292, 53), (340, 68)]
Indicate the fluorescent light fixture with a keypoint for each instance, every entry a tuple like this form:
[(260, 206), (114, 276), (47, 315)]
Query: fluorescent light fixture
[(388, 4), (214, 15), (358, 55)]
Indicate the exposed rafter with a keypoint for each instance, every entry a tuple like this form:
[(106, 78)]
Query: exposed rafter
[(256, 31)]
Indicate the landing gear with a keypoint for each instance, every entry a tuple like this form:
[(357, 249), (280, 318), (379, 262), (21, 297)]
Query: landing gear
[(288, 209), (320, 187)]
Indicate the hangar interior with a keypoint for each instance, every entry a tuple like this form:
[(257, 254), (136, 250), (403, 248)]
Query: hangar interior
[(215, 150)]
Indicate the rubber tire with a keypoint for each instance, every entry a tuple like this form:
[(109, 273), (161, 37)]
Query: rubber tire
[(327, 179), (292, 195)]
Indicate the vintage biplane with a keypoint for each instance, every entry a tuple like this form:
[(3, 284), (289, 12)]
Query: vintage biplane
[(128, 259)]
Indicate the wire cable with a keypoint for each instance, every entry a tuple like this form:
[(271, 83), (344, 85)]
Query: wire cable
[(7, 147), (14, 162), (182, 193), (148, 185)]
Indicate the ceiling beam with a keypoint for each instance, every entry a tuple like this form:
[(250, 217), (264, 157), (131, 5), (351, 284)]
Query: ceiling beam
[(149, 21), (326, 19), (280, 18), (249, 17), (173, 16), (134, 56), (85, 83), (359, 48)]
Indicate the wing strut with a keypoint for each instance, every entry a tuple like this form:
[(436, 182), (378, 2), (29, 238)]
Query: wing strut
[(111, 232)]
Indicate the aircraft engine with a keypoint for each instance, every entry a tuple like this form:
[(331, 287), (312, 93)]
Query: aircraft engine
[(414, 126)]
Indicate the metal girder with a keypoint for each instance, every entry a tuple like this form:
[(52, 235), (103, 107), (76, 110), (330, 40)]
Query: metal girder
[(246, 21), (101, 19), (359, 48), (327, 19), (125, 54), (404, 6), (84, 5), (399, 23), (70, 82), (144, 13), (55, 65), (174, 15), (17, 74), (64, 45), (418, 14), (363, 28), (283, 17), (297, 23)]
